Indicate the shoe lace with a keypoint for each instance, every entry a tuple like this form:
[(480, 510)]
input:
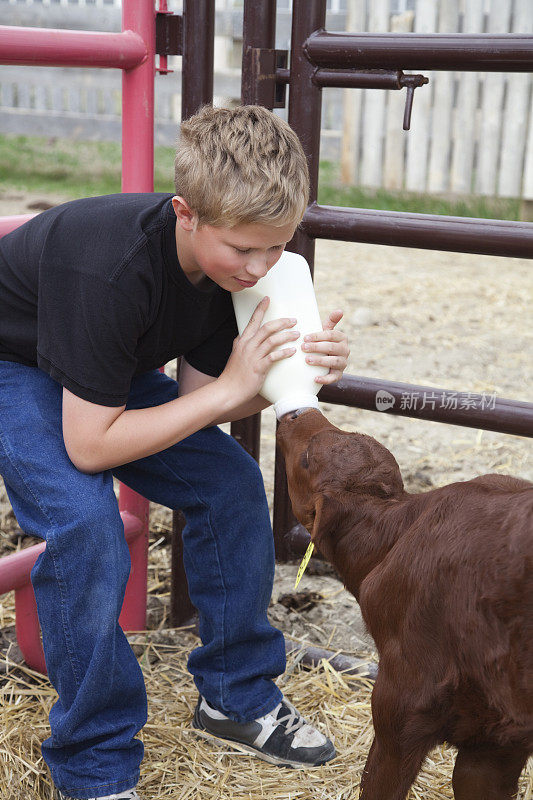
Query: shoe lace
[(293, 719)]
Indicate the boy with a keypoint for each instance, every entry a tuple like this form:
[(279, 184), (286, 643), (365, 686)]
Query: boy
[(95, 295)]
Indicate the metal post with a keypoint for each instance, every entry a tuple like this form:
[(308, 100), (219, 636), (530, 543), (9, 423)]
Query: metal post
[(138, 102), (259, 31), (198, 55), (138, 176), (305, 102), (198, 48)]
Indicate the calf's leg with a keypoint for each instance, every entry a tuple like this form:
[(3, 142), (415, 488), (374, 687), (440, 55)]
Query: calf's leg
[(397, 753), (389, 773), (488, 772)]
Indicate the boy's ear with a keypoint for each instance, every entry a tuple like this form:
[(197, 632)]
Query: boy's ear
[(185, 216)]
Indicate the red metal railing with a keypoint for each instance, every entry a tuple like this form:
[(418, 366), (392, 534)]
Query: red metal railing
[(8, 224), (132, 51), (15, 575), (46, 47)]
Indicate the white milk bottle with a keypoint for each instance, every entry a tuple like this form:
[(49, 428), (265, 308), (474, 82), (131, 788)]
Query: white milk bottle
[(290, 383)]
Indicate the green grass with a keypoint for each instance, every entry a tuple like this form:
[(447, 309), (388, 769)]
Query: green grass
[(83, 169), (332, 193), (74, 169)]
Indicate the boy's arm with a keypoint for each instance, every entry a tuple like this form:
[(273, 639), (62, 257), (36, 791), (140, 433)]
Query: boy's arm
[(101, 437), (191, 379)]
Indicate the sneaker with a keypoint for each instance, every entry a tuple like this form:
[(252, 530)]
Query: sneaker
[(281, 737), (129, 794)]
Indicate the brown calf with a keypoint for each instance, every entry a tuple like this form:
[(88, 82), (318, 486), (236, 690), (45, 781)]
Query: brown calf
[(445, 584)]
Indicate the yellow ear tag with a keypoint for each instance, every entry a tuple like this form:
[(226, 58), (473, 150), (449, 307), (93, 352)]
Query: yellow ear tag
[(305, 562)]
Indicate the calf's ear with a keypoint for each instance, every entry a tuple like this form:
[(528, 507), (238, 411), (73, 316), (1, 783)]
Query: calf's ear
[(329, 517)]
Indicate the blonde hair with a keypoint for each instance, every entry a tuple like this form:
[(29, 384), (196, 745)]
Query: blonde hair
[(241, 165)]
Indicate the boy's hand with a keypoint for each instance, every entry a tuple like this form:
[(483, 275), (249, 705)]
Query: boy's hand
[(328, 348), (253, 353)]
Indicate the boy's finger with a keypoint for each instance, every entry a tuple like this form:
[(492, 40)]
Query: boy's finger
[(279, 337), (254, 323), (325, 335), (274, 326), (333, 319), (331, 377), (277, 355)]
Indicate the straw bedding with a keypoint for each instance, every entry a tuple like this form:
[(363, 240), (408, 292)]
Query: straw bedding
[(438, 319), (180, 765)]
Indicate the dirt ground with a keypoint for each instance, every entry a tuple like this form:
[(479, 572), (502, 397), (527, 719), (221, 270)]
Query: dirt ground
[(447, 320)]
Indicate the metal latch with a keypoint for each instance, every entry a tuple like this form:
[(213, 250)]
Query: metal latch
[(411, 82), (260, 81), (168, 36), (372, 79)]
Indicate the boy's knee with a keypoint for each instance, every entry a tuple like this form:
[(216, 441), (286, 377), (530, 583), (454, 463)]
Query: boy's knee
[(233, 460), (93, 532), (246, 473)]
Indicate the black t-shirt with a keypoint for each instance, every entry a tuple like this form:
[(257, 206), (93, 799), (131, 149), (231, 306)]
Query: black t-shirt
[(92, 293)]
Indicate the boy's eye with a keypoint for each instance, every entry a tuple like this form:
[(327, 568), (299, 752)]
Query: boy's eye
[(249, 249)]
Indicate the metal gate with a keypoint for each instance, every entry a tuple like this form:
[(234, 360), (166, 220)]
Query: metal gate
[(320, 59), (317, 59)]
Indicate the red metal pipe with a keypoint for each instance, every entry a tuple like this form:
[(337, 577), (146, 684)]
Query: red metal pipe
[(135, 511), (138, 176), (15, 571), (28, 630), (15, 568), (41, 47), (133, 51), (8, 224), (138, 18)]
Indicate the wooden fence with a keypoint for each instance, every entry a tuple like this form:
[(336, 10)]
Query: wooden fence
[(470, 132)]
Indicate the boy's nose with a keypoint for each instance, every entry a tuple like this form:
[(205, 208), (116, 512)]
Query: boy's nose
[(258, 266)]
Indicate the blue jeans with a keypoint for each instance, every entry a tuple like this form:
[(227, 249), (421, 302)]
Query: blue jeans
[(80, 579)]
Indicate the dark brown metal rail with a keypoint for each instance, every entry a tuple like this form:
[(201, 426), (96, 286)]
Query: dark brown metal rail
[(437, 51), (454, 407), (428, 231)]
